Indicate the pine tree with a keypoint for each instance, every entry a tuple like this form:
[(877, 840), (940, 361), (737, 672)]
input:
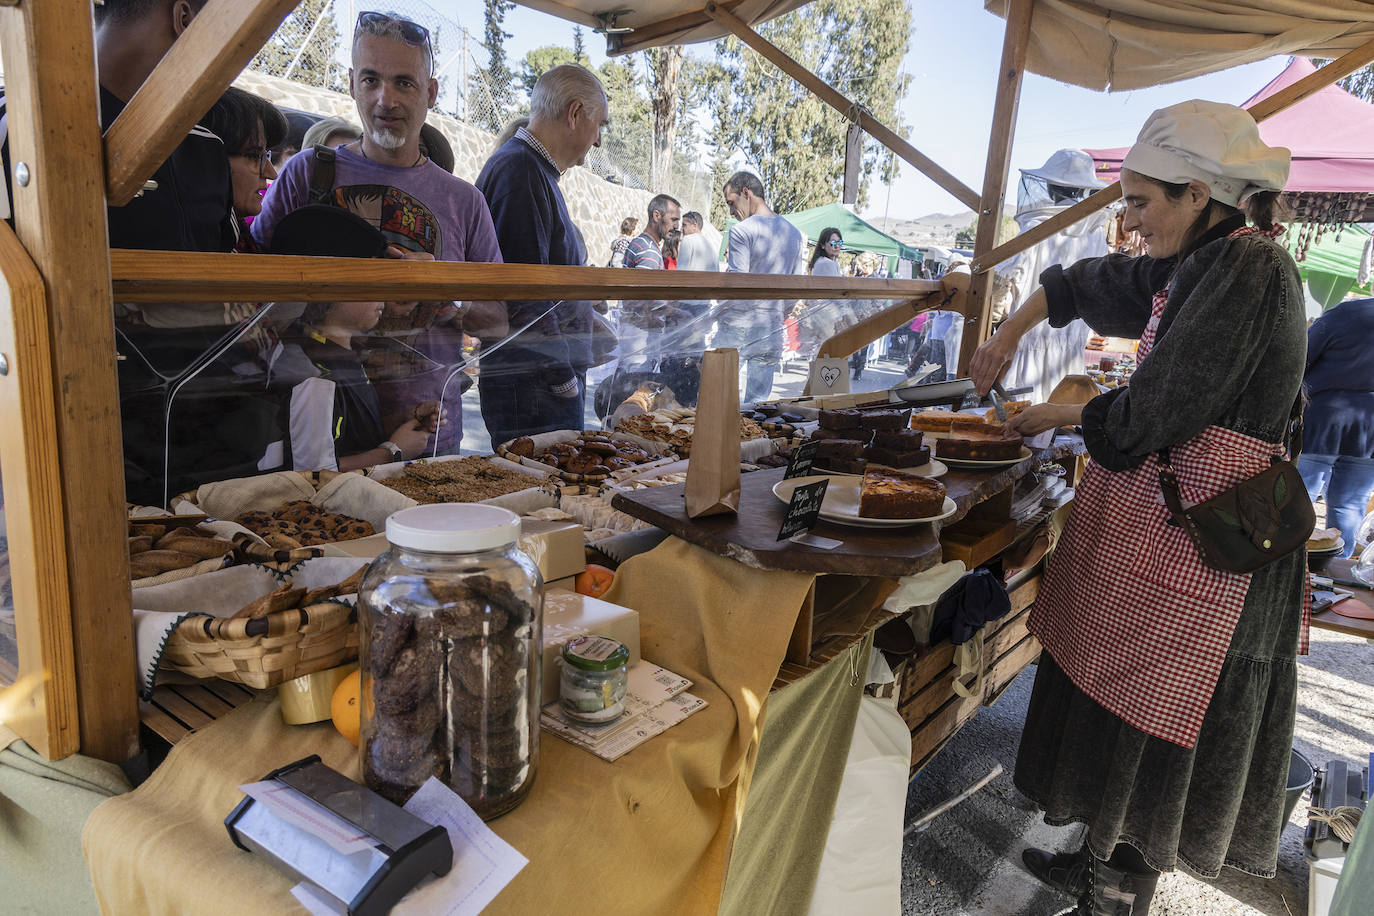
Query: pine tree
[(315, 63), (492, 110), (579, 49)]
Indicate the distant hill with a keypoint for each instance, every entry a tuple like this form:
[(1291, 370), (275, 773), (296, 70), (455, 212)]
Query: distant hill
[(931, 229)]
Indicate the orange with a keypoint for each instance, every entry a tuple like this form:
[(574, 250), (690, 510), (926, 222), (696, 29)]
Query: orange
[(594, 581), (345, 709)]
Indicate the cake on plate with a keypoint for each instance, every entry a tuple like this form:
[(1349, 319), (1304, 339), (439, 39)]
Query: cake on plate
[(986, 444), (1324, 539), (893, 494)]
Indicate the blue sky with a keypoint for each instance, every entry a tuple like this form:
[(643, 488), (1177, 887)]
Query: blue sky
[(955, 51)]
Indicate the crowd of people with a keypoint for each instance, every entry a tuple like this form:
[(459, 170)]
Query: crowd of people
[(216, 390)]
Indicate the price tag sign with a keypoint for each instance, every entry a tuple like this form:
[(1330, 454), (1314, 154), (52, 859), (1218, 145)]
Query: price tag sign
[(802, 458), (804, 508)]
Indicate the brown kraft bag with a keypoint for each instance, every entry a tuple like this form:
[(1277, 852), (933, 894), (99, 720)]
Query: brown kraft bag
[(713, 467)]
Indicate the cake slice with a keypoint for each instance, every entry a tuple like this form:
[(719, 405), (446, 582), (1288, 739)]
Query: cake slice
[(933, 421), (845, 418), (893, 494), (898, 458), (841, 465), (839, 448), (903, 439), (986, 444)]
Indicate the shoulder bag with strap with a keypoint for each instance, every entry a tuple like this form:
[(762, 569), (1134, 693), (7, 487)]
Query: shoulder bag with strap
[(1253, 523), (322, 178)]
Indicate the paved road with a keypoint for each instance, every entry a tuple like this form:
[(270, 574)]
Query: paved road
[(967, 863)]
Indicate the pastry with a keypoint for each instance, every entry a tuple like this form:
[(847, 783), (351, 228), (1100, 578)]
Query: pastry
[(897, 458), (933, 421), (893, 494), (840, 419), (885, 419), (973, 423), (842, 465), (974, 445), (523, 446), (839, 448), (901, 439), (851, 432), (1324, 539)]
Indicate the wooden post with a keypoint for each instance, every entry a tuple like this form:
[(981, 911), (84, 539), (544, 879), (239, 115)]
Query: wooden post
[(202, 63), (978, 316), (54, 131), (832, 97), (1285, 98)]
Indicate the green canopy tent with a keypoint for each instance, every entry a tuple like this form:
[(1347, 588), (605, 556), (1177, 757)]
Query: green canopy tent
[(858, 235), (1331, 267)]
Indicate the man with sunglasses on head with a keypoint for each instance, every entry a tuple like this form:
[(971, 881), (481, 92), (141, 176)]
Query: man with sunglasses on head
[(423, 211), (536, 383)]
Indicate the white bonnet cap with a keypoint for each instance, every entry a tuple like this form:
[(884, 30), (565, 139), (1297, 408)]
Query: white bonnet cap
[(1216, 144)]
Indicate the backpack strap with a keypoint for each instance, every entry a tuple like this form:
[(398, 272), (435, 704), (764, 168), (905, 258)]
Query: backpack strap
[(322, 179)]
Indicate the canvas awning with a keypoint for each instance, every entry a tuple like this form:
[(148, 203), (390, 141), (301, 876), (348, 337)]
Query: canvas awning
[(1131, 44), (858, 234), (652, 23)]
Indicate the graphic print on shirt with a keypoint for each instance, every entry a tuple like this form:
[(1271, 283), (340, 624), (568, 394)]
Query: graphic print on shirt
[(404, 220)]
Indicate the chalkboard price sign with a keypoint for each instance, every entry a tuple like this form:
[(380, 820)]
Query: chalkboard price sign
[(804, 509), (802, 458)]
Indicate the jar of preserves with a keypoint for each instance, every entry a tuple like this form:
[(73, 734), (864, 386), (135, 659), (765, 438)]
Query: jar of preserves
[(451, 624), (594, 679)]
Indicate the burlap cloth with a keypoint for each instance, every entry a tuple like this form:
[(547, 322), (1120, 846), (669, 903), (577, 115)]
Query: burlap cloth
[(650, 833)]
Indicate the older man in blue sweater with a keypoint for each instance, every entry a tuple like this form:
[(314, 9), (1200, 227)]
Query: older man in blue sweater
[(536, 382)]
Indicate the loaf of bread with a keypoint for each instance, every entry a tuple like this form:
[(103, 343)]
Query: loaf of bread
[(893, 494)]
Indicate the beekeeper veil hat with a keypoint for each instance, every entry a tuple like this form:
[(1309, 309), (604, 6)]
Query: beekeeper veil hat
[(1216, 144)]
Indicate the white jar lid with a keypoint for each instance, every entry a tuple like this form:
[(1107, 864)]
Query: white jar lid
[(453, 527)]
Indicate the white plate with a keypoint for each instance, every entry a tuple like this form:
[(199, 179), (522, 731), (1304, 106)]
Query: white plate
[(970, 464), (932, 468), (841, 504), (1337, 548)]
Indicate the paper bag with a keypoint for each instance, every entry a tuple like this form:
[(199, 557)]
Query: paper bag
[(713, 468), (828, 376)]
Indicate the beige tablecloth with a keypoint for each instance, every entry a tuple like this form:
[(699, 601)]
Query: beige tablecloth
[(650, 833)]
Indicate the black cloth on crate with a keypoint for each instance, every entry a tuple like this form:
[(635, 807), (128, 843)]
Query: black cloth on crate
[(976, 599)]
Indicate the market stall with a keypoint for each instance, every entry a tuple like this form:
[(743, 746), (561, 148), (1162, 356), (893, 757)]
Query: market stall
[(755, 636)]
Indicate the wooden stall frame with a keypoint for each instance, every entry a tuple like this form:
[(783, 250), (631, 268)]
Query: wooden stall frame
[(53, 118)]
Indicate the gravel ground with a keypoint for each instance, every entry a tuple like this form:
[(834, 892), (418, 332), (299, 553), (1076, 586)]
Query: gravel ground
[(968, 861)]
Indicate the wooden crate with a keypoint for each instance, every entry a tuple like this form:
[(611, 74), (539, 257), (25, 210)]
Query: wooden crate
[(927, 701)]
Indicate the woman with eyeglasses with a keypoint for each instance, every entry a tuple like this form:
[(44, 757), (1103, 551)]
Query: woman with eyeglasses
[(825, 259), (249, 126)]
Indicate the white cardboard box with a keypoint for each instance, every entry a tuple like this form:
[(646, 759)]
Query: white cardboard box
[(568, 614), (555, 547)]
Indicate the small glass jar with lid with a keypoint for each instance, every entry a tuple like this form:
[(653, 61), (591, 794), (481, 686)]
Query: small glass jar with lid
[(451, 622), (593, 681)]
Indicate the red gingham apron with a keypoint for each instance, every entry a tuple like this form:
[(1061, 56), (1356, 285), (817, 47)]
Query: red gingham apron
[(1128, 609)]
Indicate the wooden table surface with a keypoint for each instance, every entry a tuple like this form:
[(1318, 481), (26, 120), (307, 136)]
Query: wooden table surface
[(1331, 618), (750, 536)]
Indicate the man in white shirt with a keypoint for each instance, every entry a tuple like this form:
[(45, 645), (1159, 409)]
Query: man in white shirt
[(760, 243)]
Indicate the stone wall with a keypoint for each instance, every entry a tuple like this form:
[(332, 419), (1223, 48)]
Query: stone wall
[(597, 205)]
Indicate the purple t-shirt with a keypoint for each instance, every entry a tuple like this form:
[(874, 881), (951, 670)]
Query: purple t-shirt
[(418, 208)]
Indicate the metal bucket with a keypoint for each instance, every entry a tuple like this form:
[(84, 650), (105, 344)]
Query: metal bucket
[(1300, 774)]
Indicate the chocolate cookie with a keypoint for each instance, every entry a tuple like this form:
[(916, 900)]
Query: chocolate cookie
[(490, 668)]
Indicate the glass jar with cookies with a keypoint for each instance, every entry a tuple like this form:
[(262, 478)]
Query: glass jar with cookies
[(450, 657)]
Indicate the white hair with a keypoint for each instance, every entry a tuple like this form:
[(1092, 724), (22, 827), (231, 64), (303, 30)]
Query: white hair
[(558, 87)]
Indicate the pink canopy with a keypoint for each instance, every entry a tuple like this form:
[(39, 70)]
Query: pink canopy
[(1330, 133)]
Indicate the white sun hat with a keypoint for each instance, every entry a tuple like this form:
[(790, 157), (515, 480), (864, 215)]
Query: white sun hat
[(1070, 167)]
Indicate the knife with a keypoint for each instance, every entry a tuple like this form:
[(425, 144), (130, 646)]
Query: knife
[(998, 395)]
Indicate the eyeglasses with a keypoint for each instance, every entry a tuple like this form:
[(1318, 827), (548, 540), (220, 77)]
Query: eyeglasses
[(835, 243), (263, 157), (412, 33)]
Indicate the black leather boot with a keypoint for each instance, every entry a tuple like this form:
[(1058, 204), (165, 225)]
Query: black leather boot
[(1063, 871), (1115, 893)]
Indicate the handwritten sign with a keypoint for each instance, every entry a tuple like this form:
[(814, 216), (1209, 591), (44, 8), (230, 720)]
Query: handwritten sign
[(804, 508), (802, 458)]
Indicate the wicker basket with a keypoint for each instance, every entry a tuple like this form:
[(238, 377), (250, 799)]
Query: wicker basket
[(265, 651)]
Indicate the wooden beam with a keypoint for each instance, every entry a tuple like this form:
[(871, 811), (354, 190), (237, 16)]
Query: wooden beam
[(954, 289), (174, 276), (978, 317), (1265, 108), (832, 97), (202, 63), (40, 703), (54, 130), (645, 36)]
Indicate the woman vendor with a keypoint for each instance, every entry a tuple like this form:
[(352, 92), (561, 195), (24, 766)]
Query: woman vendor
[(1163, 707)]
